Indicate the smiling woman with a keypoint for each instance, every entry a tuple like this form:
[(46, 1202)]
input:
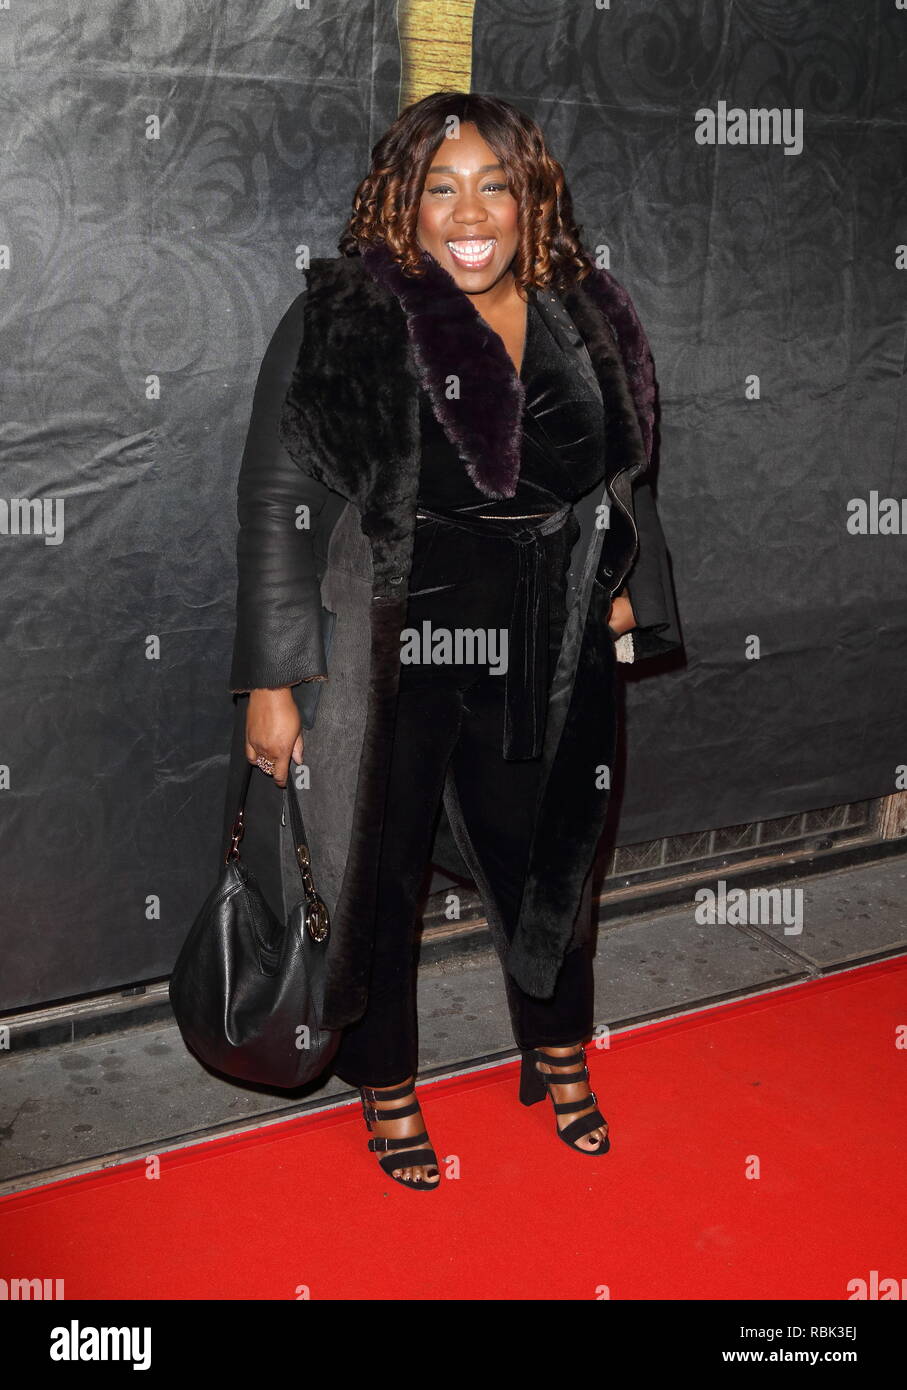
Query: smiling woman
[(481, 220), (454, 167), (452, 387), (469, 221)]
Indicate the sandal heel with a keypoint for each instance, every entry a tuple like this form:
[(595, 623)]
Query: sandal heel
[(536, 1084), (532, 1084)]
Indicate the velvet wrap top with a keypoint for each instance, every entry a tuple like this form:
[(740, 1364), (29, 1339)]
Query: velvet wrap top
[(502, 562)]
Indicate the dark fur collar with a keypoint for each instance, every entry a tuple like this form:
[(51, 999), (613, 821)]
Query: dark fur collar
[(450, 339), (474, 389), (351, 419)]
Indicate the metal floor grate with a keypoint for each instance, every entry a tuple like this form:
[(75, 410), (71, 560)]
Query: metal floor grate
[(456, 909)]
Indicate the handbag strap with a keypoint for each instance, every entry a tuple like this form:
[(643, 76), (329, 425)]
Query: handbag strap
[(316, 917), (239, 823)]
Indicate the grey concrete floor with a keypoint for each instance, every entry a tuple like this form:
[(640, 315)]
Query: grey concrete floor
[(93, 1103)]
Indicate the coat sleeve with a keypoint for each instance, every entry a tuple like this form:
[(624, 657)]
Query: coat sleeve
[(650, 587), (278, 635), (648, 584)]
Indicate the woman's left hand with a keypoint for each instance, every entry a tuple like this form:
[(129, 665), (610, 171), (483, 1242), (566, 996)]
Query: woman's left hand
[(621, 617)]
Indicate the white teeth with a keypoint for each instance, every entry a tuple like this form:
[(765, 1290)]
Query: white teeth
[(471, 250)]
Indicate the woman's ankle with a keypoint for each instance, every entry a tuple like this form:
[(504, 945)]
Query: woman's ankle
[(389, 1085)]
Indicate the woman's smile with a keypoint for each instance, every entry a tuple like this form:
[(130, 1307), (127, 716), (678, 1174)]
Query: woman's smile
[(472, 253), (469, 217)]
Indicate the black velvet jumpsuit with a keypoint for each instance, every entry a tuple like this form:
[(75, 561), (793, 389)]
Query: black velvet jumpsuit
[(473, 572)]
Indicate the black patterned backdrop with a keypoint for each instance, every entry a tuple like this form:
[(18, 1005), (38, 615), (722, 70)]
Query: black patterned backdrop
[(161, 165)]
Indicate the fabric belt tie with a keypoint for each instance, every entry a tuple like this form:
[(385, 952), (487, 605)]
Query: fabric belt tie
[(526, 678)]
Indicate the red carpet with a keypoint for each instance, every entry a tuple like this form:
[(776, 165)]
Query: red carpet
[(809, 1081)]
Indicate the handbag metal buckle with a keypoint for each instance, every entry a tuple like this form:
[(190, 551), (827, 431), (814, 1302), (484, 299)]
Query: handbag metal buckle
[(239, 829), (316, 919), (316, 916)]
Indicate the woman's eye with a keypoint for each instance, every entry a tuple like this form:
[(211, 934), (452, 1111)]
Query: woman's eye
[(487, 188)]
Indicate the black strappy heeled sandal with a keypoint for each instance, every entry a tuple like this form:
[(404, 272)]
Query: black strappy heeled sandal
[(394, 1148), (536, 1084)]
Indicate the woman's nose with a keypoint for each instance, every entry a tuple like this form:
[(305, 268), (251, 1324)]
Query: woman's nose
[(469, 209)]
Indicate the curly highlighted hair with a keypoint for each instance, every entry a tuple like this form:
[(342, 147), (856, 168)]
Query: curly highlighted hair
[(386, 203)]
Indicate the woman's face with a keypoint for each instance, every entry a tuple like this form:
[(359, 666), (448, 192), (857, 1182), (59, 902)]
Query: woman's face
[(468, 218)]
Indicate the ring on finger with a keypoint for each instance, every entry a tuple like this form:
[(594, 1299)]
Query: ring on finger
[(266, 764)]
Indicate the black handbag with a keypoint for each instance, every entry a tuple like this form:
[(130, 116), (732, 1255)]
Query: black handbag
[(247, 989)]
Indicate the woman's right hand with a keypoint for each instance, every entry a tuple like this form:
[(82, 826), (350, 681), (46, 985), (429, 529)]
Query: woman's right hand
[(274, 730)]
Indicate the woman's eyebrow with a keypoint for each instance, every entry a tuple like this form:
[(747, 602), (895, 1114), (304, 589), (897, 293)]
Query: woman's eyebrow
[(449, 168)]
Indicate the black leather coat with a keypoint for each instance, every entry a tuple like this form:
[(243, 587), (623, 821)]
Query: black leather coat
[(326, 505)]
